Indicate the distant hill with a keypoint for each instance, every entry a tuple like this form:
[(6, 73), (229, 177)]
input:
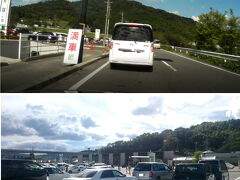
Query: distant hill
[(222, 136), (167, 27)]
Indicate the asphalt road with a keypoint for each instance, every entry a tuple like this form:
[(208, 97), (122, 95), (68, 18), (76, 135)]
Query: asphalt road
[(171, 73)]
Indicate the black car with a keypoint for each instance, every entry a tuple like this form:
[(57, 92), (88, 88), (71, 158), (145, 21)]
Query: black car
[(43, 36), (22, 170), (23, 31), (219, 168), (193, 171)]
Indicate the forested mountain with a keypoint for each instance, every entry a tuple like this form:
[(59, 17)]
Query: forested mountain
[(167, 27), (222, 136)]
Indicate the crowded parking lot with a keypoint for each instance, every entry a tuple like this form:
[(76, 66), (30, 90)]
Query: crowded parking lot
[(22, 169)]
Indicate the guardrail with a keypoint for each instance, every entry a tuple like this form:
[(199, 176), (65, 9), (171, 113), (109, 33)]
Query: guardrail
[(209, 53)]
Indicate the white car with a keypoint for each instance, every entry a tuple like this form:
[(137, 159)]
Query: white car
[(99, 164), (156, 44), (75, 169), (132, 44), (56, 174), (103, 174)]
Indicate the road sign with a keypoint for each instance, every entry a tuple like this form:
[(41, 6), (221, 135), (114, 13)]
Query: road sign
[(73, 46), (97, 34), (4, 14)]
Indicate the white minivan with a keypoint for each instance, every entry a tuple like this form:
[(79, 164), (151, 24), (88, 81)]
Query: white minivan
[(132, 43)]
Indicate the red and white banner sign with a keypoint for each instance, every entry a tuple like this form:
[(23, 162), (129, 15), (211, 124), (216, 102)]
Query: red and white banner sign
[(5, 6), (73, 46)]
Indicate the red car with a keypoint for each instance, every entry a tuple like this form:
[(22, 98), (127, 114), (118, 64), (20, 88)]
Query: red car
[(11, 32)]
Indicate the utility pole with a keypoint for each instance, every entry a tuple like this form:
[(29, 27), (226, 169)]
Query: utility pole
[(122, 17), (107, 18), (82, 25)]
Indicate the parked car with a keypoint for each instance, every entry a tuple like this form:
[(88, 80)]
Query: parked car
[(22, 170), (99, 164), (43, 36), (75, 169), (97, 174), (152, 171), (62, 37), (131, 44), (23, 31), (62, 166), (193, 171), (12, 32), (219, 168), (99, 167), (156, 44), (56, 174)]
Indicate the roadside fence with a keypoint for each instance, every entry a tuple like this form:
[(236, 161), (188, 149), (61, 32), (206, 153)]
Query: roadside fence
[(31, 45)]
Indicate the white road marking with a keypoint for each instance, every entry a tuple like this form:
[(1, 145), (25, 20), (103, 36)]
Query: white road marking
[(203, 63), (81, 82), (169, 66)]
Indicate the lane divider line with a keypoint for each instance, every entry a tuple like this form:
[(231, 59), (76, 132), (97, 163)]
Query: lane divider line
[(215, 67), (169, 66), (84, 80)]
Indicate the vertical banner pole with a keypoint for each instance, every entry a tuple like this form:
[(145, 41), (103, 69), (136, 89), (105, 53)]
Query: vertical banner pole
[(82, 26)]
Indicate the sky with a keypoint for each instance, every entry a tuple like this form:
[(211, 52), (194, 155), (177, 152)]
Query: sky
[(75, 122), (186, 8)]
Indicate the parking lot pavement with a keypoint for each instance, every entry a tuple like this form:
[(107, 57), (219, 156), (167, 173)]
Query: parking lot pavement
[(234, 174), (21, 76)]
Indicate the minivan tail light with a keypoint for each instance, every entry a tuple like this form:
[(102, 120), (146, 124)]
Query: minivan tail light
[(150, 174), (111, 45), (152, 48)]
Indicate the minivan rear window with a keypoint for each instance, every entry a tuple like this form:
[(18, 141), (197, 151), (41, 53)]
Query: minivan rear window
[(143, 167), (132, 33), (214, 165)]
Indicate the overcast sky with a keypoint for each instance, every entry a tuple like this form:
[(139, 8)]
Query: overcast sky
[(186, 8), (75, 122)]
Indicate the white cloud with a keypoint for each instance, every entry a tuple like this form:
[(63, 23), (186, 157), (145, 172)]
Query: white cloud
[(195, 18), (175, 12), (47, 118)]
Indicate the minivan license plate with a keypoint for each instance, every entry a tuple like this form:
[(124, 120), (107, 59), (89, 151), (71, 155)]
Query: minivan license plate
[(141, 175)]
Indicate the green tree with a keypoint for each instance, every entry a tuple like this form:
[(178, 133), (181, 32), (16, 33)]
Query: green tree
[(197, 155), (215, 29), (209, 29), (229, 40)]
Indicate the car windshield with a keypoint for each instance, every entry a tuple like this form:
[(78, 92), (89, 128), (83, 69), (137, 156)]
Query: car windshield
[(86, 174), (192, 170), (143, 167), (132, 33)]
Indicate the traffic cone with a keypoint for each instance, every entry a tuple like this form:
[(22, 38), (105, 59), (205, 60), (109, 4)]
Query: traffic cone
[(92, 46)]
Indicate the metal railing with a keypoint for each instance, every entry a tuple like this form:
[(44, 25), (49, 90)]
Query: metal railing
[(34, 45), (209, 53)]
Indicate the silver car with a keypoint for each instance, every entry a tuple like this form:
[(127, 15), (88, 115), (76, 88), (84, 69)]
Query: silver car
[(152, 171), (101, 174)]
